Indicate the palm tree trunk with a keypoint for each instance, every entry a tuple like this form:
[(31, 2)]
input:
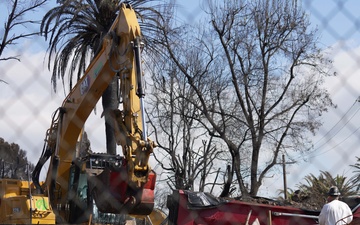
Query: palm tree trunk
[(110, 101)]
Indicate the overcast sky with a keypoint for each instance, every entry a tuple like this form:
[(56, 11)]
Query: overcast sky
[(27, 101)]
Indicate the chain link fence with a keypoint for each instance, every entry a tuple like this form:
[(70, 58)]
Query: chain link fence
[(28, 101)]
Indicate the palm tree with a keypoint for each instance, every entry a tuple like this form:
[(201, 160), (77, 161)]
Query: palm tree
[(75, 29), (356, 178), (316, 188)]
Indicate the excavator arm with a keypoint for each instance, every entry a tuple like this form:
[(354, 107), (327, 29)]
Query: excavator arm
[(117, 184)]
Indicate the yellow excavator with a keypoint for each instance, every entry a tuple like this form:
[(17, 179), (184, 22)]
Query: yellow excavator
[(19, 206), (82, 186)]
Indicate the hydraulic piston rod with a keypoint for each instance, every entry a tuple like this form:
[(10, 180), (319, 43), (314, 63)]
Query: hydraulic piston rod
[(140, 82)]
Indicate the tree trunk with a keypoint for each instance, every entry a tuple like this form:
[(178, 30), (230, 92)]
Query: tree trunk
[(110, 101)]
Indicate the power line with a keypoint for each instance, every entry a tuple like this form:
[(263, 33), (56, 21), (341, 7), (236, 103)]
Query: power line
[(337, 144), (329, 137), (333, 127)]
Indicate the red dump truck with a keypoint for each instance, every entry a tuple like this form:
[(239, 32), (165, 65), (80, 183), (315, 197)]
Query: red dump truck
[(190, 208)]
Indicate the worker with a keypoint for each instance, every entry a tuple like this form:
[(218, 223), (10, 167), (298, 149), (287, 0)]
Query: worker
[(335, 212)]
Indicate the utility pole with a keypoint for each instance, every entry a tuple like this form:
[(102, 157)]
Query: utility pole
[(284, 177)]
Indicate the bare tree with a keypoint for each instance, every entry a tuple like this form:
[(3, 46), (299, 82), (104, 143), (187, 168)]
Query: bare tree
[(256, 74), (15, 23), (185, 152)]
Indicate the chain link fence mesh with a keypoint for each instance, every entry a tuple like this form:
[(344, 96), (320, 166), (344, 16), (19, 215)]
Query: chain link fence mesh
[(27, 100)]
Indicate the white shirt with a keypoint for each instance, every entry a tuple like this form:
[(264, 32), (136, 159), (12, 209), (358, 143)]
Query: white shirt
[(334, 211)]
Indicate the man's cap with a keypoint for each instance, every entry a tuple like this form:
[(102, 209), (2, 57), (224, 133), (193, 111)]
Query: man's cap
[(334, 191)]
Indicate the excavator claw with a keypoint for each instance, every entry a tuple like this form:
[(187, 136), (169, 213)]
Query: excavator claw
[(113, 193)]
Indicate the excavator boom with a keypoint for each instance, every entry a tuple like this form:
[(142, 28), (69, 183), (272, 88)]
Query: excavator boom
[(116, 184)]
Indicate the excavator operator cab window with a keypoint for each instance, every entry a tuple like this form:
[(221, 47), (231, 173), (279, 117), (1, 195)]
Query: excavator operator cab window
[(78, 197)]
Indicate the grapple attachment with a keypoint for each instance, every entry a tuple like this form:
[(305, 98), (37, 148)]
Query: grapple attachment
[(113, 193)]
